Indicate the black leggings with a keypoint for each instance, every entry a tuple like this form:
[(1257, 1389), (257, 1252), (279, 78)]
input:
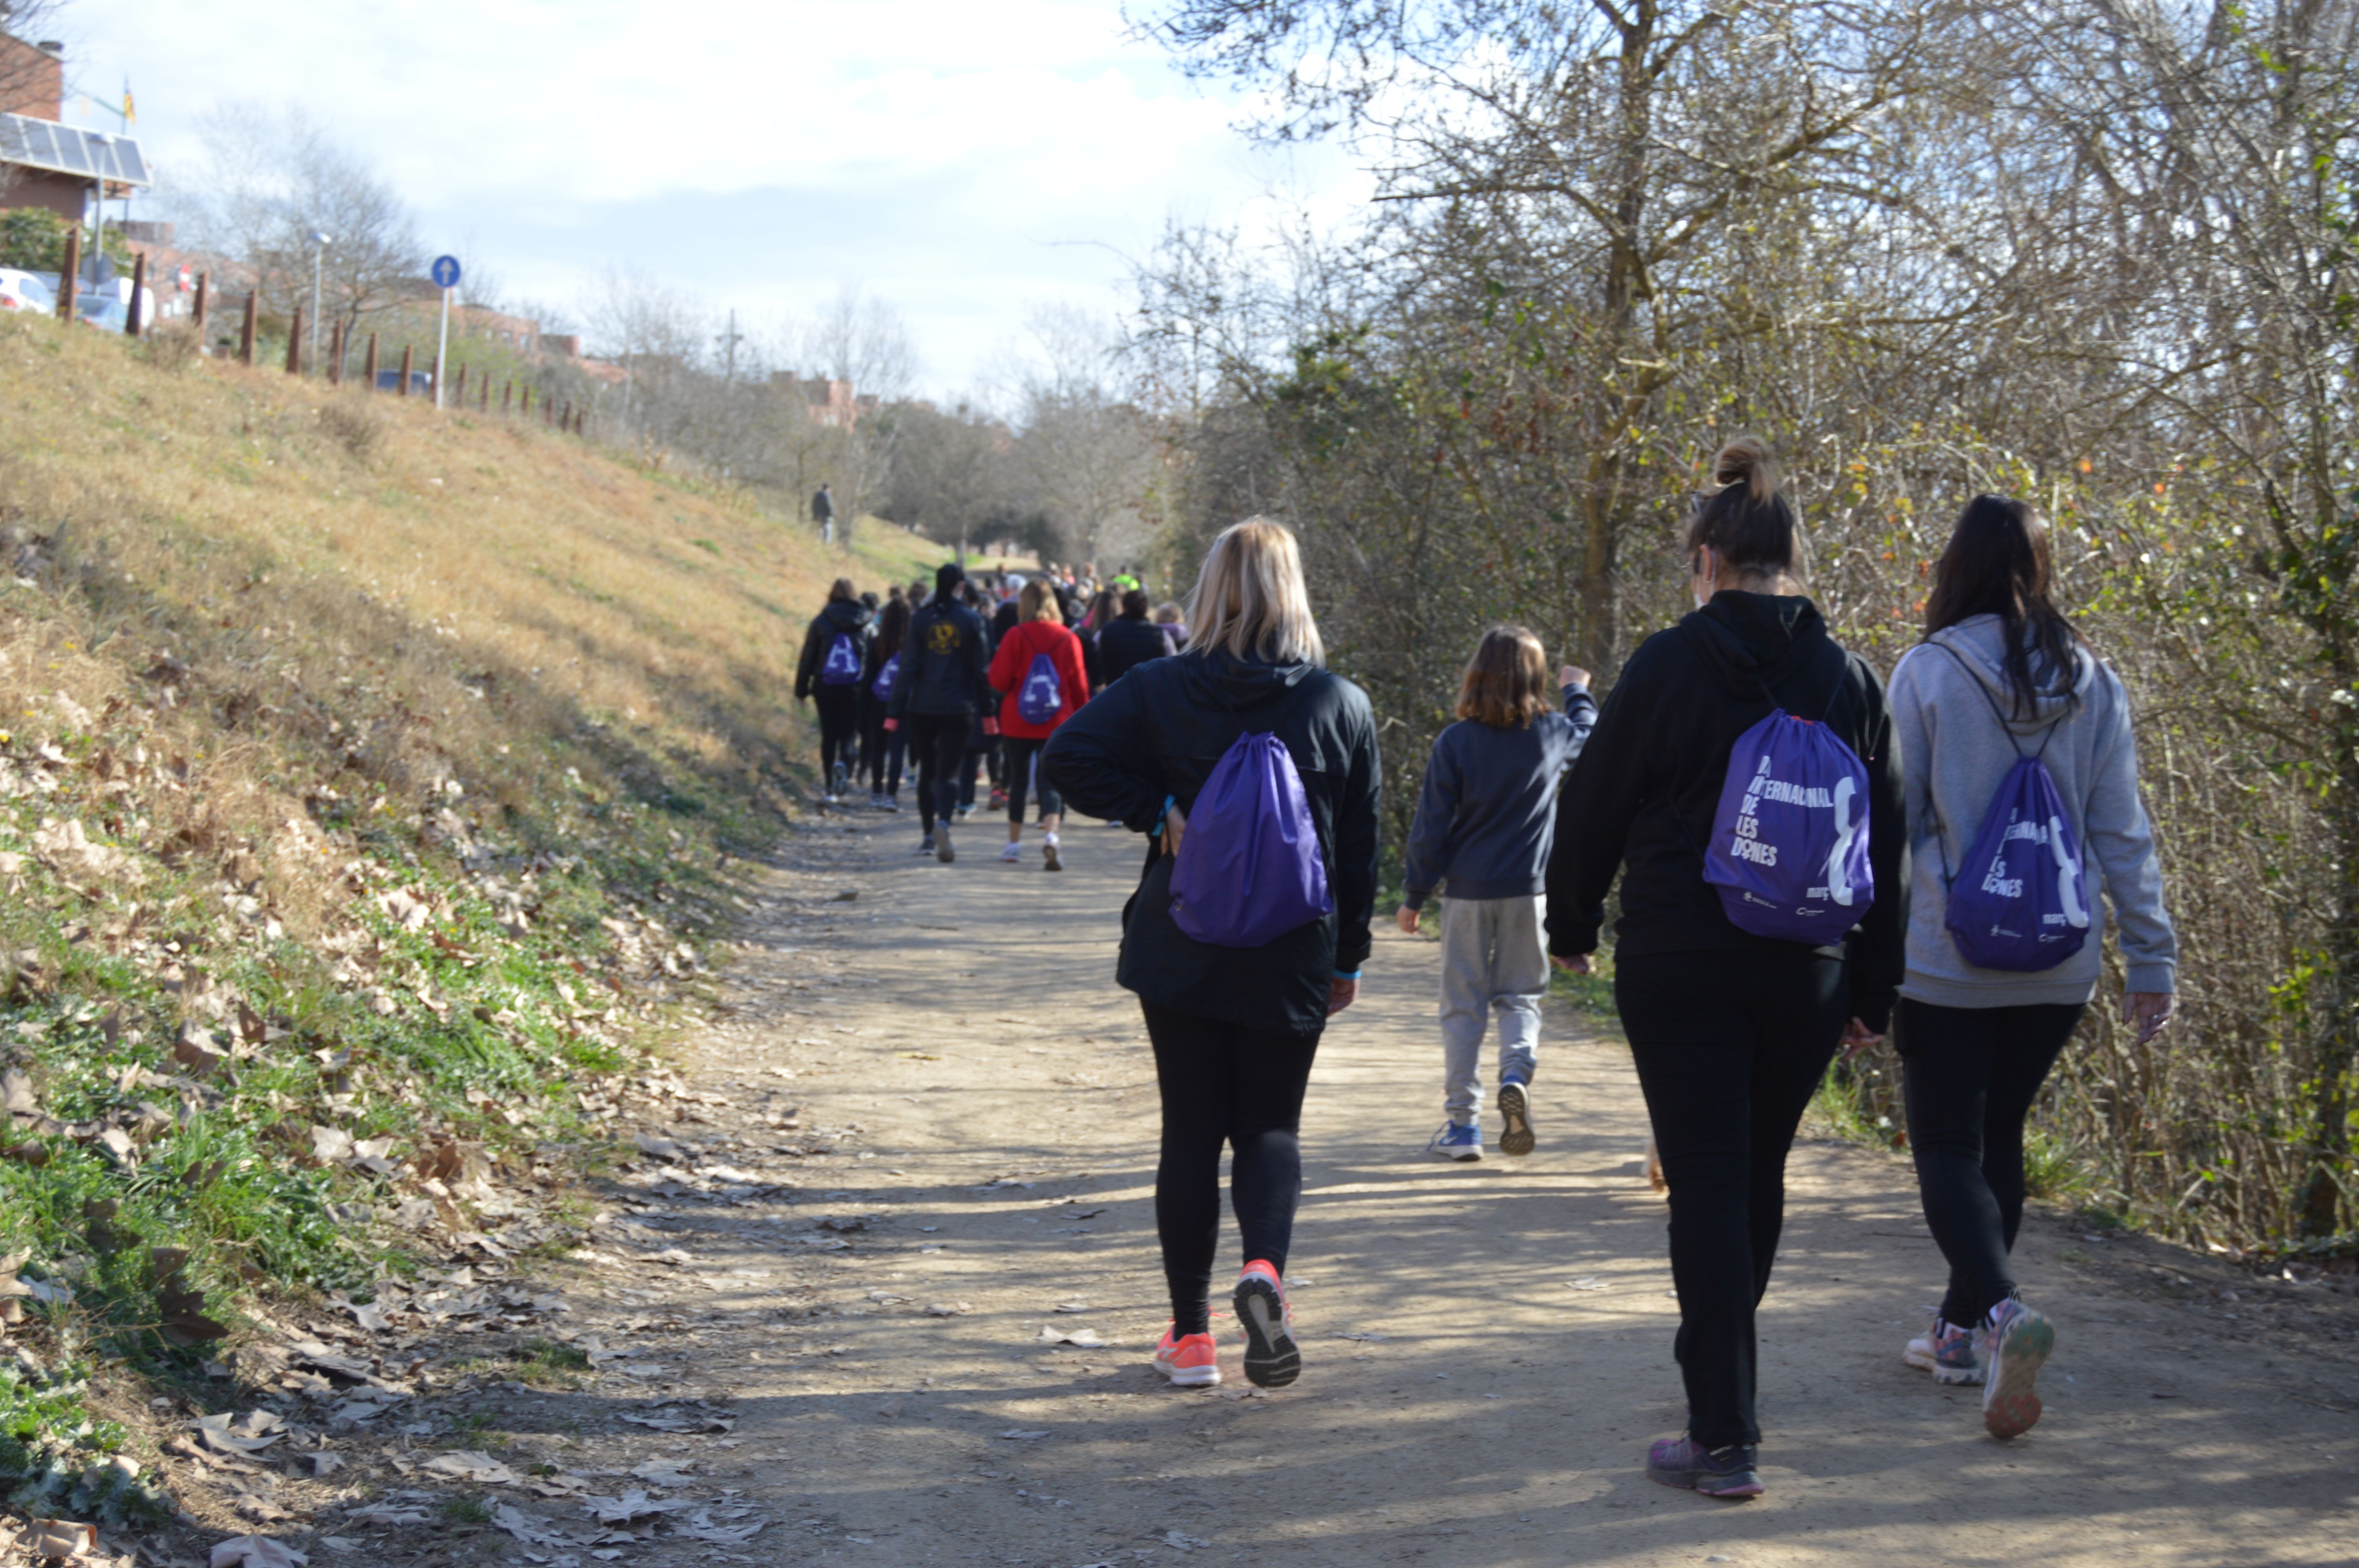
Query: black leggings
[(1023, 773), (1730, 1046), (1222, 1083), (1970, 1075), (881, 752), (937, 746), (839, 728)]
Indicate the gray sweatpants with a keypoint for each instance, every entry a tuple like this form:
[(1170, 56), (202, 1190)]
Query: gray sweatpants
[(1494, 954)]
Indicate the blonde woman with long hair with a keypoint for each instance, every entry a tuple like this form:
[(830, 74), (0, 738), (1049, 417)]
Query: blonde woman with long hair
[(1235, 1004)]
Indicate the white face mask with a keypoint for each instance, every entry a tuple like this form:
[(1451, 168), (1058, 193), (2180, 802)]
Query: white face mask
[(1704, 576)]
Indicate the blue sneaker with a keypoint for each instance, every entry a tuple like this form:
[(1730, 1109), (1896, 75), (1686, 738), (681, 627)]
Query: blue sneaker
[(1461, 1141), (1515, 1108)]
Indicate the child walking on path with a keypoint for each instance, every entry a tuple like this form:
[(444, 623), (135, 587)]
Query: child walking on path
[(1485, 821)]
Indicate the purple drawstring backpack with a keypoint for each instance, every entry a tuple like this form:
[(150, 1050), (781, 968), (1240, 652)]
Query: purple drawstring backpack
[(883, 685), (841, 667), (1788, 849), (2022, 902), (1043, 696), (1249, 868)]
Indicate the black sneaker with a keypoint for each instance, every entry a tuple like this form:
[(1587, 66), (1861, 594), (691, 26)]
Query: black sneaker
[(926, 845), (1730, 1472)]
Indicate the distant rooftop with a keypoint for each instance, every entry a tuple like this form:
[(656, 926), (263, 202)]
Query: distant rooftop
[(66, 149)]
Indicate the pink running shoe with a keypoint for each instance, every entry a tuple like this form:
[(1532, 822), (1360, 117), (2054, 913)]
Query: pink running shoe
[(1272, 1359), (1189, 1360)]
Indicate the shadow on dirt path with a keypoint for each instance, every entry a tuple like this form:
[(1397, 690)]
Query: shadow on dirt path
[(891, 1299)]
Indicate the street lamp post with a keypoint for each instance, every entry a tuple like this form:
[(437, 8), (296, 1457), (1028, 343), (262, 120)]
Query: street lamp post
[(319, 259)]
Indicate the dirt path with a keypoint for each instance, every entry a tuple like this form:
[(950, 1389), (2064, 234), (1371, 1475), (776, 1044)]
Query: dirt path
[(1487, 1348)]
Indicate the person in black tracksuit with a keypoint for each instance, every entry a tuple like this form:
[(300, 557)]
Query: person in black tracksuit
[(940, 692), (1234, 1028), (882, 750), (1731, 1032), (1130, 639), (838, 701)]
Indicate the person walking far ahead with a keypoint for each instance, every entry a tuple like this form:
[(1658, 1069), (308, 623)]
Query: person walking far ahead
[(1130, 639), (823, 513), (939, 692), (2020, 769), (883, 750), (835, 651), (1485, 820), (1254, 772), (1743, 778), (1038, 671)]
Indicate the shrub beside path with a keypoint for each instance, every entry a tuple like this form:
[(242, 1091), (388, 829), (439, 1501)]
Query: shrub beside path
[(931, 1346)]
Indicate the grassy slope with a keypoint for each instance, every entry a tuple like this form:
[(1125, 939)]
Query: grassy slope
[(365, 773)]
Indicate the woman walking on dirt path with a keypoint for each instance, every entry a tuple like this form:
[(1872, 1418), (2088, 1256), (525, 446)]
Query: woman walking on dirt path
[(1730, 1030), (1038, 671), (1485, 819), (1244, 752), (835, 650), (883, 750), (936, 696), (2002, 677)]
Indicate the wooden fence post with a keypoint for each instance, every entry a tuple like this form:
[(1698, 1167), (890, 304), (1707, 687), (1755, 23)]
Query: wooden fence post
[(371, 368), (204, 301), (336, 354), (507, 395), (134, 320), (407, 351), (484, 396), (459, 387), (525, 410), (246, 332), (69, 275), (294, 344), (548, 412)]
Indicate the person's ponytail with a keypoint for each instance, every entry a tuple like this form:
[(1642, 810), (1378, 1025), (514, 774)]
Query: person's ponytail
[(1746, 520)]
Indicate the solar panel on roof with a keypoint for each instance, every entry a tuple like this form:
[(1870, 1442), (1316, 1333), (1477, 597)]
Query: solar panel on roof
[(68, 149)]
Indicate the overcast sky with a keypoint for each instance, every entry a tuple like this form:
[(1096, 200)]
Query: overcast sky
[(962, 161)]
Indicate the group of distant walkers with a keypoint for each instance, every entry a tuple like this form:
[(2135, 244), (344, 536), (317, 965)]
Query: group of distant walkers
[(1806, 857), (967, 679)]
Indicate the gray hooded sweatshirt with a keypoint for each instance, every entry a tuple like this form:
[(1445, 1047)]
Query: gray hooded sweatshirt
[(1955, 755)]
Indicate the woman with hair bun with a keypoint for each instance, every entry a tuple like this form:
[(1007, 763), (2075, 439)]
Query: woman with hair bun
[(1730, 1030)]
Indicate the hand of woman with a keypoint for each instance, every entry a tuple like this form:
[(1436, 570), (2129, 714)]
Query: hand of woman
[(1858, 1037), (1406, 919), (2150, 1011), (1340, 994), (1572, 675), (891, 725), (1175, 822), (1577, 964)]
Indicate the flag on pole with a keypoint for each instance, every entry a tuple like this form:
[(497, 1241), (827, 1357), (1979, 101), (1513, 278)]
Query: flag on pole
[(130, 115)]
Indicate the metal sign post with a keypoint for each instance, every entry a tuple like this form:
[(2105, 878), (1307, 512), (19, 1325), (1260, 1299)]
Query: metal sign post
[(446, 278)]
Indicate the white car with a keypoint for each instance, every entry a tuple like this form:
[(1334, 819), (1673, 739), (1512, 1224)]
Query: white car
[(24, 291)]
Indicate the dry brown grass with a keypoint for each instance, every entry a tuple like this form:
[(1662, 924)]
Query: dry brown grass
[(428, 597)]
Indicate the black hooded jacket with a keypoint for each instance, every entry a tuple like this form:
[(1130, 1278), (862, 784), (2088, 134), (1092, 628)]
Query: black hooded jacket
[(1649, 782), (942, 663), (1127, 642), (842, 618), (1158, 732)]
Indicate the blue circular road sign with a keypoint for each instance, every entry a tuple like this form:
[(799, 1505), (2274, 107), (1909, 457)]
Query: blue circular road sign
[(446, 272)]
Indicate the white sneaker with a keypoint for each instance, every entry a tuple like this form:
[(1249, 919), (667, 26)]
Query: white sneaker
[(1011, 854)]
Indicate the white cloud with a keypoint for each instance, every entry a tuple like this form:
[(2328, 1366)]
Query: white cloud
[(958, 159)]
